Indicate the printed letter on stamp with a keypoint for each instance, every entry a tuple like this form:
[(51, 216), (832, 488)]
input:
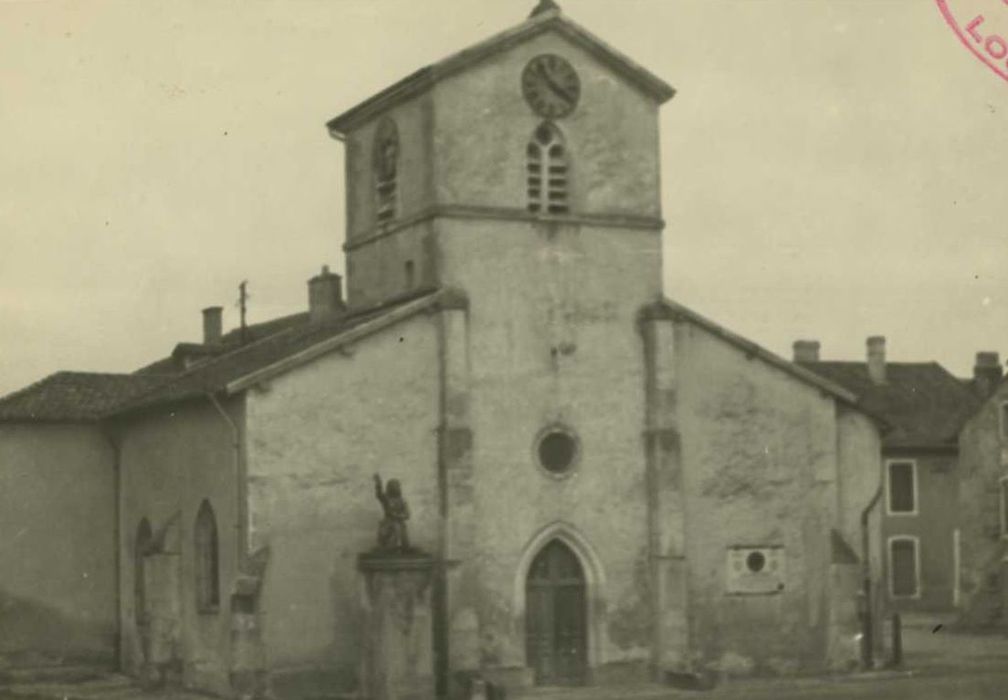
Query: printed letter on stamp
[(982, 26)]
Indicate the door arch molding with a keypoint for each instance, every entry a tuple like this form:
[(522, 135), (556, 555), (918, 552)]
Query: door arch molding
[(594, 576)]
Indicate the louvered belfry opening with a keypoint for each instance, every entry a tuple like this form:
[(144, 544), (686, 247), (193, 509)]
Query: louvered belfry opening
[(547, 174), (386, 169)]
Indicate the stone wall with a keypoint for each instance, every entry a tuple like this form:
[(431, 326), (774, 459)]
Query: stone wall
[(759, 452), (983, 462), (317, 435), (172, 459), (57, 555)]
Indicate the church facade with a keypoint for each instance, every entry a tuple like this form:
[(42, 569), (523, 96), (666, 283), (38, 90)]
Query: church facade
[(614, 487)]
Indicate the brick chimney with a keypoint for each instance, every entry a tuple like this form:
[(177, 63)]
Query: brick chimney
[(806, 350), (986, 372), (876, 359), (212, 325), (325, 295)]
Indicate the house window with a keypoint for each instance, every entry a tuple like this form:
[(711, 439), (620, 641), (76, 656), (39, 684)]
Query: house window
[(904, 567), (1003, 497), (902, 487), (207, 564), (386, 170), (547, 171)]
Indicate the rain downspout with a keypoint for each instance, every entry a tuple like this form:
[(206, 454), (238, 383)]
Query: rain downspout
[(867, 641), (239, 501)]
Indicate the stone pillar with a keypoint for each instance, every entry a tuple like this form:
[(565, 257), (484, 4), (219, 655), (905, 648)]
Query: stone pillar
[(397, 659), (665, 507), (161, 581), (456, 618)]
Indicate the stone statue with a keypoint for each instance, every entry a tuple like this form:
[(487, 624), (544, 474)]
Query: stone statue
[(392, 535)]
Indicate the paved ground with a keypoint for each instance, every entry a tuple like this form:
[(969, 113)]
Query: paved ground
[(941, 664)]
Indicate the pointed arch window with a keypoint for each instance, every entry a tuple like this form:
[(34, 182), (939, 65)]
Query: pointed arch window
[(386, 170), (207, 564), (547, 171), (141, 546)]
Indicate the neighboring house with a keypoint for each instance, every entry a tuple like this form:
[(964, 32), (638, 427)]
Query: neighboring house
[(925, 407), (613, 486), (983, 499)]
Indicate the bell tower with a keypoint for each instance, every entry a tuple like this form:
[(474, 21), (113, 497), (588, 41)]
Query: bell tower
[(540, 134)]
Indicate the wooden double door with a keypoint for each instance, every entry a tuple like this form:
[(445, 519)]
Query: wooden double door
[(556, 617)]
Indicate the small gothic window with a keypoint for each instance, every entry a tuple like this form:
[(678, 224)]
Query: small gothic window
[(207, 562), (547, 171), (386, 170), (144, 537)]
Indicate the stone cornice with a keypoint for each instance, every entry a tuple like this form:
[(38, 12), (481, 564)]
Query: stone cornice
[(462, 211)]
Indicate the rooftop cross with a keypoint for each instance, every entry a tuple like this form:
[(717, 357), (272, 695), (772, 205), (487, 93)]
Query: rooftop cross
[(544, 6)]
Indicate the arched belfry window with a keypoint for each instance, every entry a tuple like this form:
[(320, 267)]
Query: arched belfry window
[(386, 170), (547, 167), (207, 560)]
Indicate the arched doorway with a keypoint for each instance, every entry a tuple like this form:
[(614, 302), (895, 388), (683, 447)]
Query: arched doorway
[(556, 630)]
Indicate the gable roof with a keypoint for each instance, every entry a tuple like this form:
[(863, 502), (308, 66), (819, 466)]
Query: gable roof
[(249, 364), (674, 310), (174, 363), (923, 402), (84, 396), (73, 396), (543, 19)]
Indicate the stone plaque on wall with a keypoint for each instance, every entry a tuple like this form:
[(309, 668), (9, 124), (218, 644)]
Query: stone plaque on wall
[(756, 570)]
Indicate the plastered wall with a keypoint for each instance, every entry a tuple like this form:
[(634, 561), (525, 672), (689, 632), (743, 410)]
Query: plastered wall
[(57, 555), (317, 435), (172, 459), (759, 468)]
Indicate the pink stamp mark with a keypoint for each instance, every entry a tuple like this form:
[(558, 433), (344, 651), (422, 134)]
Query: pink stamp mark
[(982, 26)]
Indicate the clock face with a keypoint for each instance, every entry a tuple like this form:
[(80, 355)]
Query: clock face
[(551, 86)]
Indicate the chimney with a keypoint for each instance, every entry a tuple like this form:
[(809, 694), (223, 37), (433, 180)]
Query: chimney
[(325, 296), (876, 359), (986, 373), (806, 350), (212, 326)]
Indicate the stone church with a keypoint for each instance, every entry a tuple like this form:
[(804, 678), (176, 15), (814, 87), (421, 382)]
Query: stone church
[(613, 487)]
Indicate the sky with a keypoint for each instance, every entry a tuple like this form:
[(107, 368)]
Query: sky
[(832, 169)]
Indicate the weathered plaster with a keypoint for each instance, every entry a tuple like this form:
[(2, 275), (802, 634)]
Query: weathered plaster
[(317, 435), (983, 462), (172, 460), (57, 555), (760, 465)]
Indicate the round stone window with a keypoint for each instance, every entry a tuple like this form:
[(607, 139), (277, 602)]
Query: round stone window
[(557, 450), (755, 562)]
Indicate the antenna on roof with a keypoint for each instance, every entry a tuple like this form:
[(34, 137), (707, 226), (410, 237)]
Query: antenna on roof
[(242, 304)]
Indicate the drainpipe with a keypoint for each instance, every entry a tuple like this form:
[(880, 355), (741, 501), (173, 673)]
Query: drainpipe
[(239, 505), (117, 485), (867, 642)]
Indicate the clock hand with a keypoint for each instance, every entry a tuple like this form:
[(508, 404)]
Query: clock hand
[(553, 85)]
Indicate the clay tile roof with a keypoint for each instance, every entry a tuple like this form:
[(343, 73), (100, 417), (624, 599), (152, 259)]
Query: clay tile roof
[(74, 396), (925, 404), (292, 338), (85, 396)]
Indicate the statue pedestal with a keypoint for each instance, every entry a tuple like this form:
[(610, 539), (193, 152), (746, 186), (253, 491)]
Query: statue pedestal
[(397, 652)]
